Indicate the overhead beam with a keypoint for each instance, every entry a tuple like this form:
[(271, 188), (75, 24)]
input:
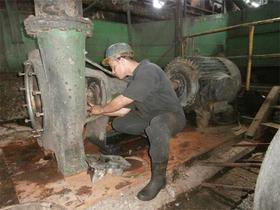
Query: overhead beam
[(135, 9)]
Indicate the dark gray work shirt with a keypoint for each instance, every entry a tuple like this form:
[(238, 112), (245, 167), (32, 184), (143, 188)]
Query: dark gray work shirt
[(152, 91)]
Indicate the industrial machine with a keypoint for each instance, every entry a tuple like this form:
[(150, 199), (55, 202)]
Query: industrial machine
[(199, 82), (205, 85), (59, 88)]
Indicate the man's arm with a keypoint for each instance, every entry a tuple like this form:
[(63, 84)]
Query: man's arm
[(120, 113), (115, 105)]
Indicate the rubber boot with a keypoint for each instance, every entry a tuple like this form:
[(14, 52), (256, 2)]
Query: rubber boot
[(157, 182)]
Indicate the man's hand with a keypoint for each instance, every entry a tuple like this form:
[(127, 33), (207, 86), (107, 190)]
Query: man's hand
[(113, 108), (95, 109)]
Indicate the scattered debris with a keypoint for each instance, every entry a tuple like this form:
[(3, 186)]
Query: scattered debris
[(100, 165), (171, 191), (239, 130)]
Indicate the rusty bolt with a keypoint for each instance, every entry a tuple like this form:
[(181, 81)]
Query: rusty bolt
[(27, 120), (36, 93), (21, 74), (37, 131), (31, 74), (27, 62), (39, 114)]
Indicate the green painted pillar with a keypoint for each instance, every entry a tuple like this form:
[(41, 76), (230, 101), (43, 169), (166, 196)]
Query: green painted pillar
[(61, 33)]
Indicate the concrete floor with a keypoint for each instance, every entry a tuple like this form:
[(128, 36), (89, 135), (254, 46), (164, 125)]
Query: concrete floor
[(27, 176)]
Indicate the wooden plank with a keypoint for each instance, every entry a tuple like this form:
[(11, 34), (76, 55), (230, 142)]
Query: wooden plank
[(230, 164), (239, 130), (272, 125), (251, 145), (263, 113), (225, 186)]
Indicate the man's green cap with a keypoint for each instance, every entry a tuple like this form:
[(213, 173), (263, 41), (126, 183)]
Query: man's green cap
[(117, 50)]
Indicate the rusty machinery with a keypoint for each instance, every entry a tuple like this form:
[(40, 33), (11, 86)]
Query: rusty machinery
[(201, 83), (58, 86), (100, 89), (205, 85)]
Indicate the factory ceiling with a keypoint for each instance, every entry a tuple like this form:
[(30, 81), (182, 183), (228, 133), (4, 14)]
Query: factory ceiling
[(143, 10)]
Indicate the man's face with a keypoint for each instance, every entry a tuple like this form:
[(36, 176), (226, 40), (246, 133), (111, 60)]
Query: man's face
[(118, 66)]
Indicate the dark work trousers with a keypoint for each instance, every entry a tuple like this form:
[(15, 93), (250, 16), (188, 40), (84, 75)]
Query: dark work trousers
[(159, 130)]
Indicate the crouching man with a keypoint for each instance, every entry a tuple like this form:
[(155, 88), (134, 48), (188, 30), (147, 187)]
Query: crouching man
[(156, 113)]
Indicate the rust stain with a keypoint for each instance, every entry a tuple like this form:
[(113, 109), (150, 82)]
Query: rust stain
[(134, 147), (24, 164), (90, 148), (84, 190), (122, 184), (63, 191), (69, 203), (185, 144), (37, 176), (135, 164), (46, 193)]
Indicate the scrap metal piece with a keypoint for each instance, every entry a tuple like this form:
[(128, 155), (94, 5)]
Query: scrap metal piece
[(100, 165)]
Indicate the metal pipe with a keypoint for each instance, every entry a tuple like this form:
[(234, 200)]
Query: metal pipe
[(251, 145), (128, 15), (240, 4), (178, 27), (99, 67), (251, 26), (272, 55), (250, 161), (267, 21), (183, 47), (193, 44), (136, 9), (226, 164), (250, 53), (200, 9), (89, 6), (261, 88)]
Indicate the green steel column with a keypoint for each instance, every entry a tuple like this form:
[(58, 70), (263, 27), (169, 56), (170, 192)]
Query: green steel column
[(61, 32), (63, 56)]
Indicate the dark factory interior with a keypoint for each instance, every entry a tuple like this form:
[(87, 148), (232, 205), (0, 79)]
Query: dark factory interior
[(139, 104)]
